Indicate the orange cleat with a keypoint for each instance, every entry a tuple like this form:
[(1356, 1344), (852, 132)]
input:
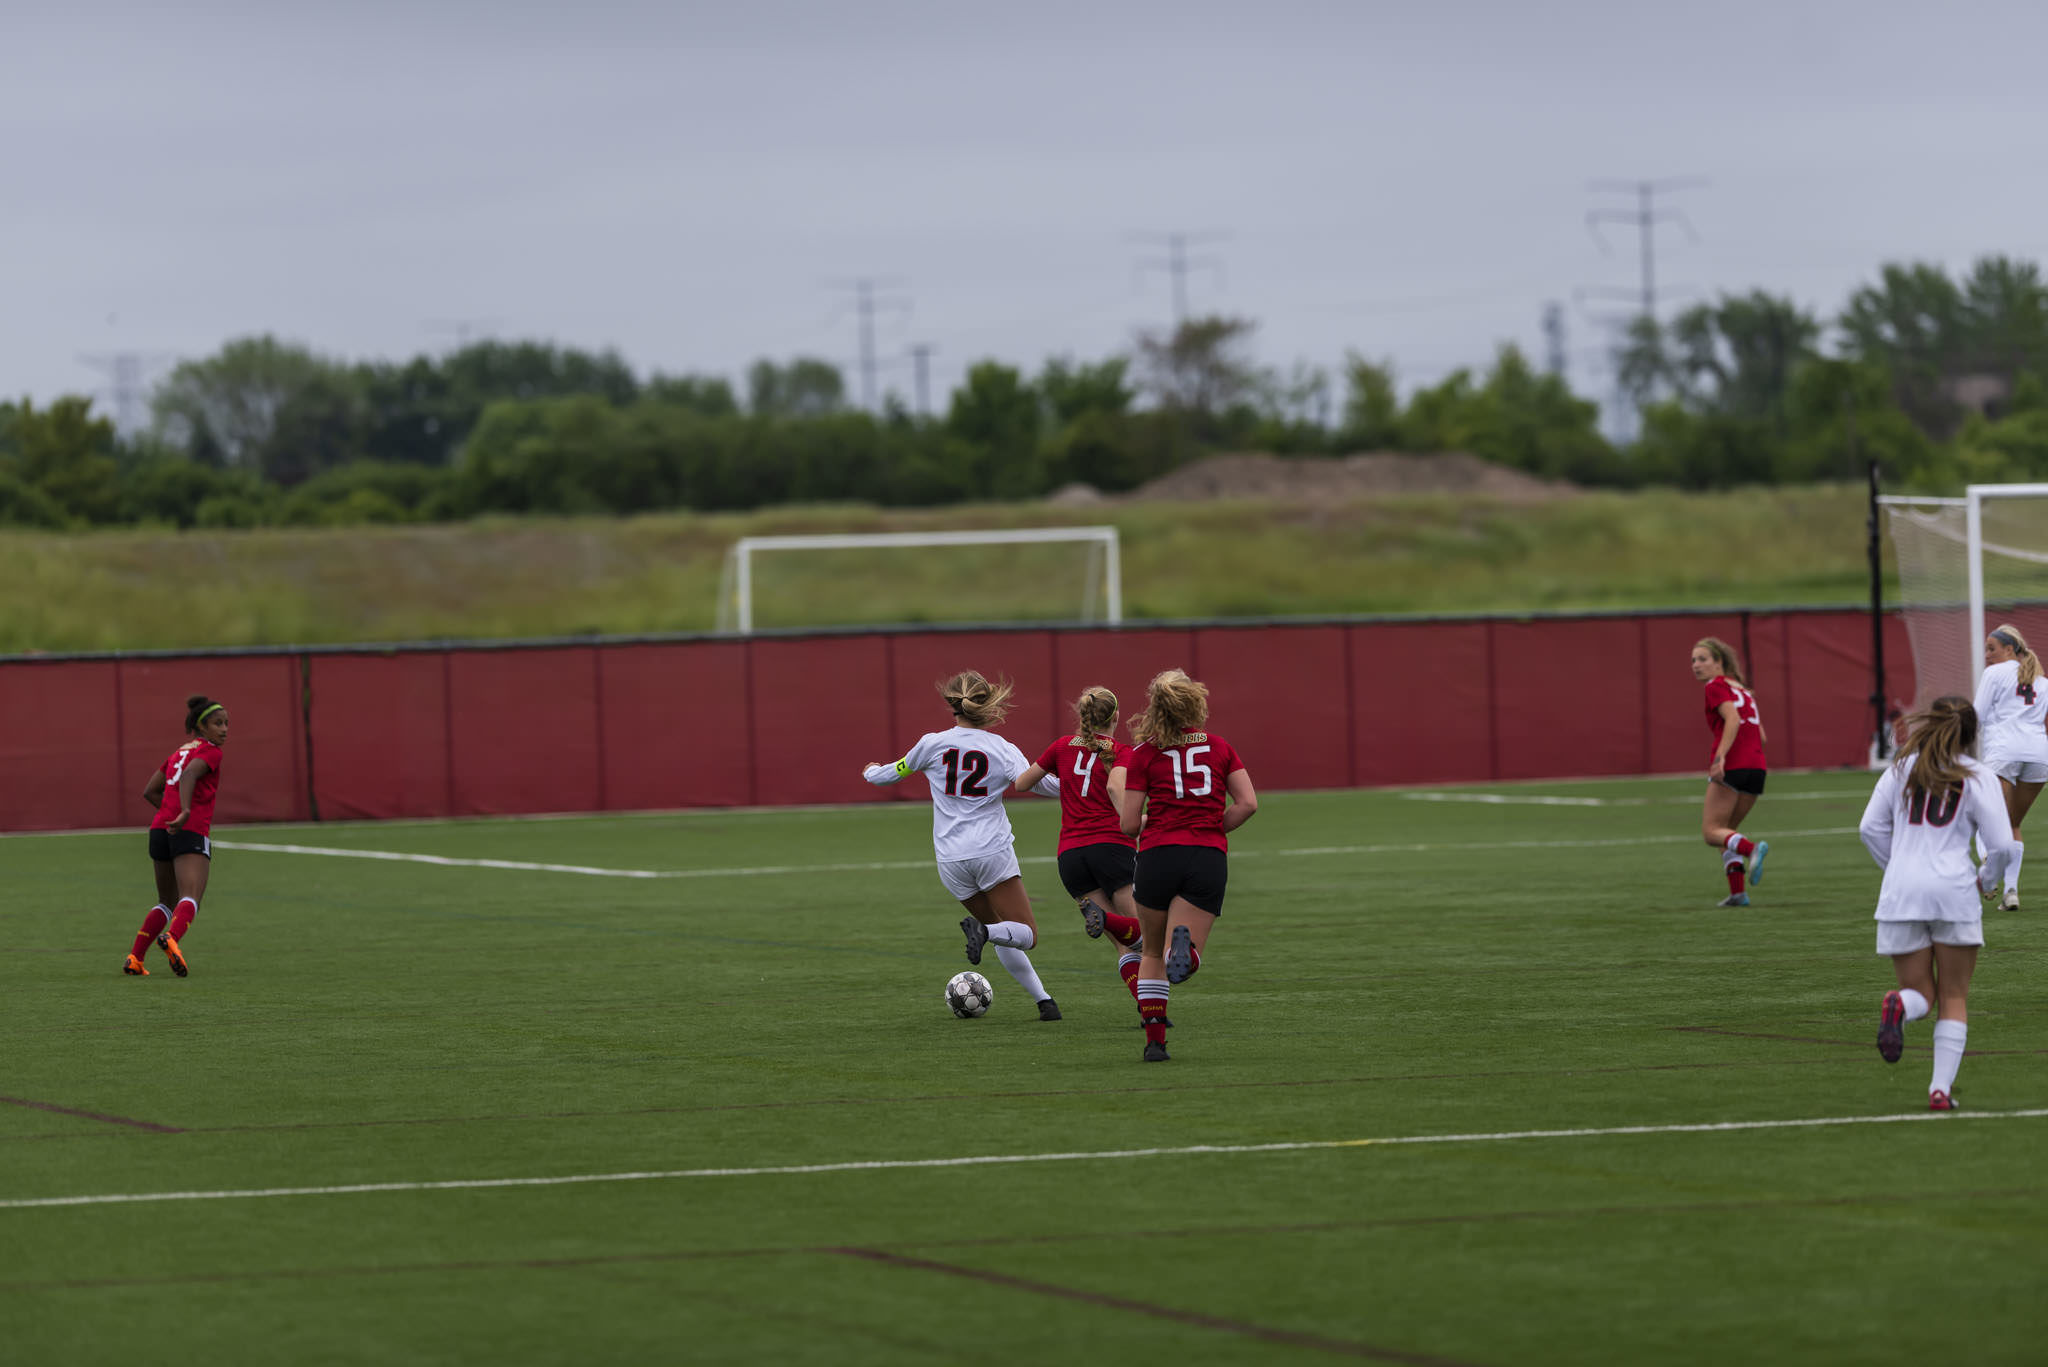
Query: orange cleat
[(134, 969), (171, 952)]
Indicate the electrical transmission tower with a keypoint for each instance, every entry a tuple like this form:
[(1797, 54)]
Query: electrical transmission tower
[(872, 295), (1177, 264), (127, 388)]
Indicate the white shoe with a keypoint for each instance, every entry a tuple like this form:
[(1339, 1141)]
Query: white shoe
[(2010, 901)]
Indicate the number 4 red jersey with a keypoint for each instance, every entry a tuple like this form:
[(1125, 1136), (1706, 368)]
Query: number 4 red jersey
[(1747, 751), (1087, 816), (203, 791), (1184, 788)]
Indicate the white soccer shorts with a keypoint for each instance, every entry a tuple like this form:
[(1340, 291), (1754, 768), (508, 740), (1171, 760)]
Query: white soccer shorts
[(1903, 937), (965, 877)]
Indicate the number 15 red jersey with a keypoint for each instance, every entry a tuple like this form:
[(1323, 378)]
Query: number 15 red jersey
[(1087, 816), (1184, 786)]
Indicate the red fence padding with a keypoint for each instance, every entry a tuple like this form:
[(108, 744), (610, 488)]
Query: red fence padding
[(791, 720), (1421, 703), (263, 764), (61, 749), (380, 736), (821, 711), (675, 722)]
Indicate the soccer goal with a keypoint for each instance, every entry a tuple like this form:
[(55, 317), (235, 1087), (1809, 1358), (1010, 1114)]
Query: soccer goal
[(889, 577), (1965, 566)]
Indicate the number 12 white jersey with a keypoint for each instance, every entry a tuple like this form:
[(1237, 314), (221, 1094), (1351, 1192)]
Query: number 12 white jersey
[(1922, 842), (969, 771)]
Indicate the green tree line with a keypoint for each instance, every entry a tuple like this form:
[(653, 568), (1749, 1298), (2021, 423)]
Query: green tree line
[(1944, 380)]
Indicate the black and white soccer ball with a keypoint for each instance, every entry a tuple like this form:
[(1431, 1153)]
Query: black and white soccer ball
[(968, 994)]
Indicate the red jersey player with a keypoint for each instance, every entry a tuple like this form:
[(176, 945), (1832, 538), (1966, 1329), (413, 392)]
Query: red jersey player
[(1736, 768), (1184, 773), (182, 791), (1097, 861)]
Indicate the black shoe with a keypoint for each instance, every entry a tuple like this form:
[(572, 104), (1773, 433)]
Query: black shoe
[(1180, 956), (1091, 918), (1156, 1053), (1048, 1010), (977, 936)]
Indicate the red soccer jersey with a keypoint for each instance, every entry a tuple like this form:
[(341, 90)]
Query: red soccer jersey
[(1087, 817), (1184, 789), (1747, 751), (201, 820)]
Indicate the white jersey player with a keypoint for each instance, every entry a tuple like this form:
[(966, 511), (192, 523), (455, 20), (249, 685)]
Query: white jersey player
[(970, 768), (2012, 710), (1918, 827)]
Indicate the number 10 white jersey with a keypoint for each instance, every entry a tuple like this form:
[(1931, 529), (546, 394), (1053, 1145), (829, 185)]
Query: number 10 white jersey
[(1922, 842), (969, 771)]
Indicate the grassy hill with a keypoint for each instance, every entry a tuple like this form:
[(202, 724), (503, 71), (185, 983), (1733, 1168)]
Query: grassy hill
[(494, 578)]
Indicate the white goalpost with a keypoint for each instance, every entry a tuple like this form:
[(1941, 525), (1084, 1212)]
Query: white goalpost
[(1965, 566), (1102, 594)]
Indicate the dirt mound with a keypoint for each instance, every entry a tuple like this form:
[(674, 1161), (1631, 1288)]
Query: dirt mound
[(1321, 478)]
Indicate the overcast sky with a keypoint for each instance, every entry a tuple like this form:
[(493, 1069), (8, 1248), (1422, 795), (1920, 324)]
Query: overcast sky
[(693, 183)]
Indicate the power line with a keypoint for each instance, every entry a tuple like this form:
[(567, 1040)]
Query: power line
[(1177, 263), (866, 302)]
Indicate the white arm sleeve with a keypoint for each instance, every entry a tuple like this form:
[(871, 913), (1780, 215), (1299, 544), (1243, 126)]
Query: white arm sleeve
[(1994, 827), (1876, 826)]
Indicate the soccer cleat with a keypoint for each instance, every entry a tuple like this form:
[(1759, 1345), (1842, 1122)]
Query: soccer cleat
[(1941, 1101), (1734, 899), (977, 936), (1048, 1010), (1180, 956), (171, 951), (1156, 1052), (1891, 1027), (1756, 861), (2010, 901), (1091, 918), (134, 969)]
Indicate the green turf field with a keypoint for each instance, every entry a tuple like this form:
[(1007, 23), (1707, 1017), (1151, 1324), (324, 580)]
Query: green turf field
[(1389, 969)]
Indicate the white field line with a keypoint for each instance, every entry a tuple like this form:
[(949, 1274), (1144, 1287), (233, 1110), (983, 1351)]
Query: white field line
[(986, 1160), (1558, 800), (779, 870)]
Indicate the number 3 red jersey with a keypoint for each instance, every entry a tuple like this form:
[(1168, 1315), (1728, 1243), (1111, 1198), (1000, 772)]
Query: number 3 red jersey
[(203, 791), (1184, 786), (1748, 750), (1087, 817)]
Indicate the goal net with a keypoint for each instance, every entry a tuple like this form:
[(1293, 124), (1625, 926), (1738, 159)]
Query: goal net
[(1967, 565), (1028, 574)]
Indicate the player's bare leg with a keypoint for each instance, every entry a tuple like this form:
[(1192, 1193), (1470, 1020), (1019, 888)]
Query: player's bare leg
[(1721, 814), (1002, 917), (2019, 800), (190, 871), (1954, 966), (159, 917), (1153, 989)]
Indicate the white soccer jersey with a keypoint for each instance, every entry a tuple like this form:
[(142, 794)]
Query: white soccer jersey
[(969, 771), (2012, 718), (1922, 842)]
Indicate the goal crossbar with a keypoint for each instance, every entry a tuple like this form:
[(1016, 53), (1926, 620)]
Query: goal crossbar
[(736, 589)]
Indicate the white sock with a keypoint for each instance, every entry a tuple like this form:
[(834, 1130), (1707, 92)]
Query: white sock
[(1948, 1054), (1019, 964), (1014, 934), (2012, 867), (1916, 1005)]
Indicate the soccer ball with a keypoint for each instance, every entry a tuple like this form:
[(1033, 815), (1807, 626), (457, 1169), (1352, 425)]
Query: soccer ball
[(968, 994)]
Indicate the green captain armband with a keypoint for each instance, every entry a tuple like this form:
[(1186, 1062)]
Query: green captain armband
[(903, 768)]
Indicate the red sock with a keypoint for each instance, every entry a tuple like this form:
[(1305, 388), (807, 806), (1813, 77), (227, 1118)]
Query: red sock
[(1743, 847), (1734, 871), (1127, 969), (1122, 929), (181, 919), (151, 924)]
